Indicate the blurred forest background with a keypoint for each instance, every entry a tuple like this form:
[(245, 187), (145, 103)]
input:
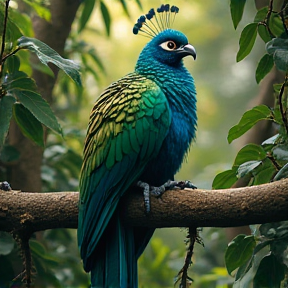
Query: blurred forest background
[(224, 88)]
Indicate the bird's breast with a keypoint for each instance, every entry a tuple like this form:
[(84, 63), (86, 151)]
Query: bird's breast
[(174, 147)]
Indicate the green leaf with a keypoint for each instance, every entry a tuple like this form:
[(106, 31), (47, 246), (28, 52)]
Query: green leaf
[(26, 24), (28, 124), (276, 44), (274, 230), (243, 270), (249, 152), (19, 81), (247, 40), (270, 273), (12, 32), (125, 8), (6, 105), (247, 167), (40, 9), (261, 14), (282, 173), (47, 54), (139, 4), (239, 250), (88, 6), (6, 243), (280, 152), (106, 17), (236, 9), (92, 53), (248, 120), (24, 88), (37, 248), (281, 60), (264, 67), (279, 48), (276, 25), (264, 173), (225, 179), (263, 33), (12, 64), (40, 109)]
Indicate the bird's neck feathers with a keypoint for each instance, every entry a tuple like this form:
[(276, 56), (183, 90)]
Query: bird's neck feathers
[(166, 76), (173, 81), (153, 68)]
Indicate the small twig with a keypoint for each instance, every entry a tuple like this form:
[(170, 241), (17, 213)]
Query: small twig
[(267, 18), (182, 276), (23, 241), (4, 34), (274, 162), (19, 276), (283, 113), (10, 54)]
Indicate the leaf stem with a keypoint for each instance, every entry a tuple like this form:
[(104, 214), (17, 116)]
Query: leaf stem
[(267, 19), (274, 162), (283, 113), (4, 35), (10, 54)]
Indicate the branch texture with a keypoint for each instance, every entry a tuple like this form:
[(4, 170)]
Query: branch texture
[(22, 211)]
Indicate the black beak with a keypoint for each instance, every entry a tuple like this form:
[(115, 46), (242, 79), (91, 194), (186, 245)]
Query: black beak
[(187, 50)]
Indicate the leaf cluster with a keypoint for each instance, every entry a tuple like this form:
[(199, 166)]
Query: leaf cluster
[(259, 259), (19, 96)]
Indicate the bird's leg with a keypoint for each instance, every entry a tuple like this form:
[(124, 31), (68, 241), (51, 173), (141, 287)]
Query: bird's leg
[(146, 194), (159, 191)]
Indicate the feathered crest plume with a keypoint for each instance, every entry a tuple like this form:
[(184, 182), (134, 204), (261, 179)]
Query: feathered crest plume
[(153, 23)]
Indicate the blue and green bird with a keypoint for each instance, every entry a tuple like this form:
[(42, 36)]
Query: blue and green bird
[(139, 131)]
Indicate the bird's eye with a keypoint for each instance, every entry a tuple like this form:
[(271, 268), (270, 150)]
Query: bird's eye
[(169, 45)]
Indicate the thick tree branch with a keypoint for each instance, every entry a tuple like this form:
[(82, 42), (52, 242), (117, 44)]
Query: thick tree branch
[(32, 212)]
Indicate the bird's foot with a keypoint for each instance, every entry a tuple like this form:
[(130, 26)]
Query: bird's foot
[(159, 191), (5, 186), (184, 184)]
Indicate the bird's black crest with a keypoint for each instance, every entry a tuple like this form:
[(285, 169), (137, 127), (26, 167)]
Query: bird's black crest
[(154, 22)]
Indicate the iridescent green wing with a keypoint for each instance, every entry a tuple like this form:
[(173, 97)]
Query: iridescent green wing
[(127, 127)]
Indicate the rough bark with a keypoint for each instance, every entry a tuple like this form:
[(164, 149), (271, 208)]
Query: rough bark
[(32, 212)]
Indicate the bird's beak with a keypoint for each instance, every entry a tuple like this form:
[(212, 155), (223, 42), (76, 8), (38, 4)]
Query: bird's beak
[(187, 50)]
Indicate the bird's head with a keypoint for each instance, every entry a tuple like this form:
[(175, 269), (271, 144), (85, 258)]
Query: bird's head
[(167, 46)]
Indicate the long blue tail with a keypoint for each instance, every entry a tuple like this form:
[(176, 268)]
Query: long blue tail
[(114, 263)]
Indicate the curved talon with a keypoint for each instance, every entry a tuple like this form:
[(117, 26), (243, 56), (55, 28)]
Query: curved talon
[(186, 184), (159, 191)]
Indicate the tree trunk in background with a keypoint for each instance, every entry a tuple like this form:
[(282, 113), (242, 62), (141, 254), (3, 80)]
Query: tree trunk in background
[(26, 173), (263, 129)]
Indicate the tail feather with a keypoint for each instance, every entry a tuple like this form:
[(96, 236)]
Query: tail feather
[(114, 262)]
